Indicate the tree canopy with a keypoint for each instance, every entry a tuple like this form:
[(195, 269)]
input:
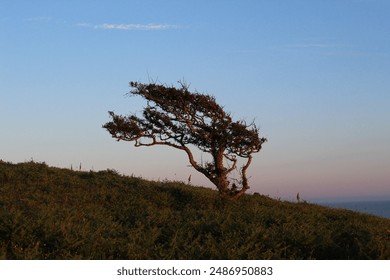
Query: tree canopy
[(182, 119)]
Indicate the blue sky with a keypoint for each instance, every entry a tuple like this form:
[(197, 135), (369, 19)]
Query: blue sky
[(314, 75)]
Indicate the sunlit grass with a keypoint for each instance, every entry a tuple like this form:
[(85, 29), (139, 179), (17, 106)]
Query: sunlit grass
[(52, 213)]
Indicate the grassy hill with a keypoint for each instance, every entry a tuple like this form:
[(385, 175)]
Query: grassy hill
[(53, 213)]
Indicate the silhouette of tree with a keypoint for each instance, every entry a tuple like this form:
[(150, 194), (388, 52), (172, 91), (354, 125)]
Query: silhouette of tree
[(183, 120)]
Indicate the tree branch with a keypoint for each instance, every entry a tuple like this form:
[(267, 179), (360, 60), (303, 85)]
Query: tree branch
[(178, 118)]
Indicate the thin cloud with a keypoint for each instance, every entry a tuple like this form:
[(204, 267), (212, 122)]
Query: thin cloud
[(110, 26), (245, 51), (329, 49), (38, 19), (313, 45)]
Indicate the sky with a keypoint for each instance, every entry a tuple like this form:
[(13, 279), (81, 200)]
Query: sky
[(313, 74)]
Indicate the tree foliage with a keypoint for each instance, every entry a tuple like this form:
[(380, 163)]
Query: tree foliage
[(182, 119)]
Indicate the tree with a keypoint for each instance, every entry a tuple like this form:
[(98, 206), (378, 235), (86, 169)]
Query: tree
[(183, 120)]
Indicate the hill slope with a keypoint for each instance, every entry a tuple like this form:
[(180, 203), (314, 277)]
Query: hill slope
[(52, 213)]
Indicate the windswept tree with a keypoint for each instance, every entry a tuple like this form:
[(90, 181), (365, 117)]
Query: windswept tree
[(186, 120)]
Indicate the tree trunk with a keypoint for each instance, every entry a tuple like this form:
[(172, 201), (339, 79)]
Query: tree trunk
[(221, 180)]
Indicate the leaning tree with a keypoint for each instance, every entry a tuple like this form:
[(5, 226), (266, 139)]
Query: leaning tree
[(183, 120)]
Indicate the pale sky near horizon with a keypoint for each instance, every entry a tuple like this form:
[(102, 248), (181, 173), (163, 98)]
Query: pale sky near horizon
[(314, 75)]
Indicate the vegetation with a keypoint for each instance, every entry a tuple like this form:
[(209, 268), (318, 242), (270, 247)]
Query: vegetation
[(52, 213), (178, 118)]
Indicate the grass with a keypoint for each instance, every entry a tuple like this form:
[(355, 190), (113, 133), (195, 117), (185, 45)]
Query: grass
[(53, 213)]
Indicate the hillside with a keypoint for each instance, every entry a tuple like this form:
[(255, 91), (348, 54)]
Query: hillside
[(53, 213)]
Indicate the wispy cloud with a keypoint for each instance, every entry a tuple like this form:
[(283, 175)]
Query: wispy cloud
[(38, 19), (132, 26), (313, 45), (333, 49), (244, 51)]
